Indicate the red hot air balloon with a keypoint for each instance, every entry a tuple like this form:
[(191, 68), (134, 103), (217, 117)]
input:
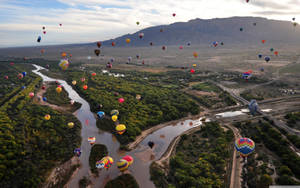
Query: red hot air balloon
[(247, 1), (113, 43), (192, 71), (85, 87), (173, 14), (276, 53), (60, 24), (164, 48), (263, 41), (121, 100), (93, 74), (44, 32), (180, 47), (99, 44)]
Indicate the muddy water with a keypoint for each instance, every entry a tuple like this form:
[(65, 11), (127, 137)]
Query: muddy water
[(143, 155)]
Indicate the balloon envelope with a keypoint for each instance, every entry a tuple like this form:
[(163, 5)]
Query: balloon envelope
[(101, 114), (122, 165), (245, 146), (121, 128)]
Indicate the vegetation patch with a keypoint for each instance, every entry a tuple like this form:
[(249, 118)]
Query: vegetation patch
[(98, 151), (123, 181)]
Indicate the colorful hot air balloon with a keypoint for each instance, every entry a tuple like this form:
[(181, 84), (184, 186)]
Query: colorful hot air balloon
[(122, 165), (138, 97), (44, 27), (195, 54), (85, 87), (97, 52), (64, 64), (129, 159), (77, 152), (58, 89), (108, 65), (31, 94), (47, 117), (267, 59), (105, 162), (128, 40), (121, 128), (70, 124), (114, 112), (245, 146), (215, 43), (121, 100), (253, 106), (101, 114), (74, 82), (114, 118), (99, 44), (92, 140)]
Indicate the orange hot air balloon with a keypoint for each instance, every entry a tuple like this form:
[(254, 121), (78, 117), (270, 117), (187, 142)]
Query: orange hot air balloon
[(42, 51), (128, 40), (113, 43), (64, 54), (58, 89), (263, 41), (195, 54), (99, 44), (276, 53), (85, 87)]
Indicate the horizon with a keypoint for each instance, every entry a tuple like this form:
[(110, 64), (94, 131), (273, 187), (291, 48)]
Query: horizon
[(99, 20)]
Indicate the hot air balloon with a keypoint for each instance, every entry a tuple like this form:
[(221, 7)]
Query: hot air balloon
[(254, 24), (113, 43), (293, 19), (105, 162), (23, 87), (85, 87), (114, 112), (64, 64), (6, 77), (259, 56), (24, 73), (271, 49), (94, 74), (112, 60), (137, 23), (47, 117), (192, 71), (39, 39), (129, 159), (141, 35), (20, 76), (114, 118), (44, 27), (247, 1), (101, 114), (97, 52), (60, 24), (161, 30), (247, 75), (151, 43), (31, 94), (122, 165), (42, 51), (99, 44), (58, 89), (194, 65), (138, 97), (72, 102), (108, 65), (262, 69), (44, 32), (70, 124), (263, 41), (245, 146), (276, 53), (173, 14), (63, 54), (121, 100), (137, 56), (222, 43), (215, 43), (189, 43), (44, 99), (180, 47), (241, 29), (267, 59), (121, 128), (74, 82), (164, 48), (82, 79), (195, 54), (253, 106), (92, 140), (77, 152), (151, 144), (129, 59), (128, 40)]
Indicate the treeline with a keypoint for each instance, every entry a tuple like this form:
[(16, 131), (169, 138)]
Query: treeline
[(30, 145), (200, 160), (293, 119), (156, 105), (286, 161), (123, 181), (98, 151)]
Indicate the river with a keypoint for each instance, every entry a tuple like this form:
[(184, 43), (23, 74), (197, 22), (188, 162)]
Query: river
[(142, 154)]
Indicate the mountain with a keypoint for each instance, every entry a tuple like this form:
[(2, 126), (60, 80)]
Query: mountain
[(205, 31)]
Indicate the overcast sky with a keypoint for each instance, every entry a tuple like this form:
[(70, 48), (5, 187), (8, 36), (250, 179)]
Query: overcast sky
[(21, 21)]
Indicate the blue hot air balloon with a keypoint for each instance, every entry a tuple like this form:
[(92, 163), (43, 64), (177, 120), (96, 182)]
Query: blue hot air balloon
[(45, 99), (24, 74), (259, 56), (253, 106), (101, 114), (39, 39), (267, 59)]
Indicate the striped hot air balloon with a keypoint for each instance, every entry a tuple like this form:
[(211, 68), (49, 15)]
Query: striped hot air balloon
[(105, 162), (92, 140), (121, 128), (245, 146), (129, 159), (122, 165)]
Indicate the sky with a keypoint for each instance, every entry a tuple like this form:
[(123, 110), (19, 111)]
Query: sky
[(21, 21)]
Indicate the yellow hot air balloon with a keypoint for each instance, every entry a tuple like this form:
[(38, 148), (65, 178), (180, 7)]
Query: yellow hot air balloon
[(128, 40), (64, 64), (70, 124), (47, 117), (195, 54), (74, 82), (122, 165), (121, 128), (194, 65), (58, 89), (114, 117)]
